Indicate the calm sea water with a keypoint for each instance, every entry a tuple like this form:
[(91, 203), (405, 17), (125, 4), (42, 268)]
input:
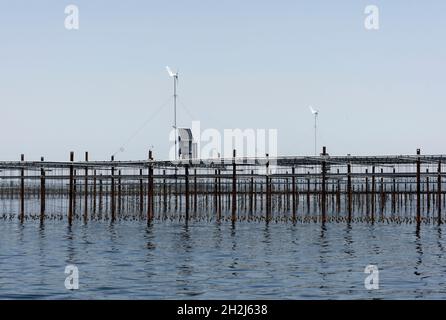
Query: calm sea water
[(211, 260)]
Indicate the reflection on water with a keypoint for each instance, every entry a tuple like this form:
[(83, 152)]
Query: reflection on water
[(220, 260)]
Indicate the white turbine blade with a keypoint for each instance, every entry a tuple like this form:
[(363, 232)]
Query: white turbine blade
[(169, 71), (312, 110)]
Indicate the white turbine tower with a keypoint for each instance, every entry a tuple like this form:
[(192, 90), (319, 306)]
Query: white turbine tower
[(315, 113), (175, 81)]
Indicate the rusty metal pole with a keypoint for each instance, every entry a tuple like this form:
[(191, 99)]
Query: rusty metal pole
[(71, 190), (251, 193), (42, 192), (323, 186), (373, 193), (186, 180), (22, 190), (439, 193), (418, 162), (216, 190), (74, 192), (113, 204), (367, 192), (338, 193), (382, 193), (428, 196), (219, 194), (86, 189), (119, 192), (268, 191), (94, 191), (349, 191), (293, 190), (394, 192), (195, 190), (150, 190), (176, 188), (164, 192), (234, 186), (100, 193), (308, 192), (141, 192)]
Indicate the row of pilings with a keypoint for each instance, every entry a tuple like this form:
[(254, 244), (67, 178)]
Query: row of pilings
[(226, 189)]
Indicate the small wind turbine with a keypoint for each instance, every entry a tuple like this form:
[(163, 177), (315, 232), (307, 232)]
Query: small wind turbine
[(315, 113), (175, 82)]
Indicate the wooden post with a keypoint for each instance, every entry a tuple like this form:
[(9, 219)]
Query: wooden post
[(234, 186), (42, 192), (71, 191), (86, 189), (418, 162), (113, 204), (439, 193), (22, 190)]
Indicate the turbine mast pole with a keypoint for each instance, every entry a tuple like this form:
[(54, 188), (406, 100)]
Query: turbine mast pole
[(315, 134), (175, 77)]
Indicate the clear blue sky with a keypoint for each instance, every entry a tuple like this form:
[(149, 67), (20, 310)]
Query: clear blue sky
[(243, 64)]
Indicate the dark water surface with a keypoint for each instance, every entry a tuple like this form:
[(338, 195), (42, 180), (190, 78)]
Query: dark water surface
[(212, 260)]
